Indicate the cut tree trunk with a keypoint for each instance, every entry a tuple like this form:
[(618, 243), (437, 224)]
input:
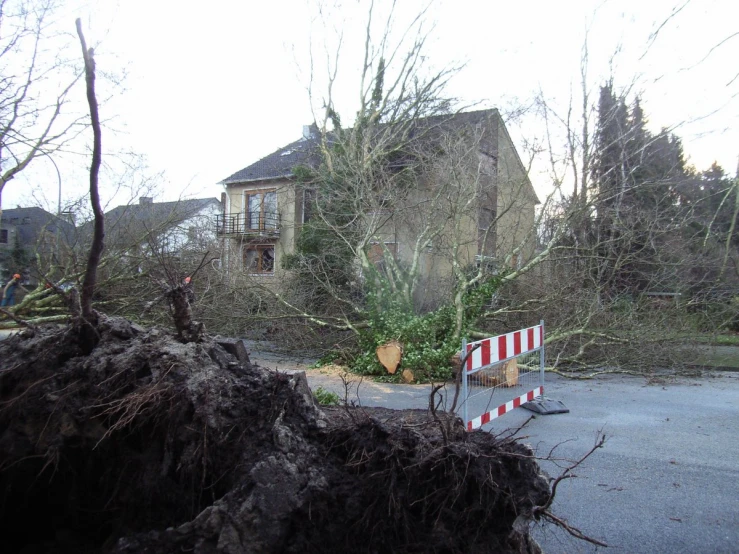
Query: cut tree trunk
[(511, 373), (187, 328), (390, 355)]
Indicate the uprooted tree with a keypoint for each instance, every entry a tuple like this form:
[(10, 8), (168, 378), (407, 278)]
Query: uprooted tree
[(148, 444), (118, 438)]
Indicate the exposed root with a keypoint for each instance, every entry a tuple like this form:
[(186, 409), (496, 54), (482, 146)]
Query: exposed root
[(153, 445)]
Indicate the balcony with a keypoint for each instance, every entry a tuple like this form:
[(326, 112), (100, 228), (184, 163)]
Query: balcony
[(265, 224)]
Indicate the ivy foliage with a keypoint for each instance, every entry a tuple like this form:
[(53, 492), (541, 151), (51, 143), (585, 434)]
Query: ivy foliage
[(428, 339)]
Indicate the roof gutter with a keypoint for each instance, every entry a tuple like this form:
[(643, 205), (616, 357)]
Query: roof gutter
[(226, 182)]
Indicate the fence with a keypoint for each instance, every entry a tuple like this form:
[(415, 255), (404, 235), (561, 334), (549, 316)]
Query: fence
[(497, 369), (266, 223)]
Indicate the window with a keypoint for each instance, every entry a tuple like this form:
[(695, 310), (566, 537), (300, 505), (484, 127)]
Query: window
[(487, 263), (259, 259), (261, 210), (309, 199), (376, 253), (3, 236)]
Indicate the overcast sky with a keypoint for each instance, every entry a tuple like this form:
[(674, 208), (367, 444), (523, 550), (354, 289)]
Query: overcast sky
[(211, 87)]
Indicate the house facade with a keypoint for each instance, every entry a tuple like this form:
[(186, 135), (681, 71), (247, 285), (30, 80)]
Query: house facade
[(264, 210), (28, 233), (265, 207)]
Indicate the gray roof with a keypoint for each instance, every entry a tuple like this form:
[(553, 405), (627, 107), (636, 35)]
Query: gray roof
[(131, 220), (153, 213), (281, 163), (29, 222)]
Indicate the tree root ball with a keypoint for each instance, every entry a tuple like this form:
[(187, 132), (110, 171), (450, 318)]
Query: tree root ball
[(147, 444)]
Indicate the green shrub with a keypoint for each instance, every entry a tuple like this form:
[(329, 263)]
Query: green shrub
[(428, 339)]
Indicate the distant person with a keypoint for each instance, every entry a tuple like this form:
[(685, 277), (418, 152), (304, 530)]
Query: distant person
[(9, 291)]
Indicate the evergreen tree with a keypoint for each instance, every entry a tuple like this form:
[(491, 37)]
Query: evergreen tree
[(609, 162), (636, 179)]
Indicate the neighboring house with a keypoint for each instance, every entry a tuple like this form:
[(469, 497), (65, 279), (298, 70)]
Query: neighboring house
[(26, 233), (171, 228), (265, 208)]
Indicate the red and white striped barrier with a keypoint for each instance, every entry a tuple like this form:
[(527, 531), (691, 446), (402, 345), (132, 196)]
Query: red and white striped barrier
[(503, 347), (503, 408)]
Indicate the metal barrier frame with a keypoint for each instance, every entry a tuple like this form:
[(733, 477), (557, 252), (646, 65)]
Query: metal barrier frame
[(494, 351)]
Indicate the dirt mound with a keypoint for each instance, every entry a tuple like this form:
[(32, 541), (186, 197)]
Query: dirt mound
[(151, 445)]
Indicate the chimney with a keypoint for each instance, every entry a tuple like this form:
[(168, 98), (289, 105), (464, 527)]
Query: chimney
[(310, 131), (146, 200)]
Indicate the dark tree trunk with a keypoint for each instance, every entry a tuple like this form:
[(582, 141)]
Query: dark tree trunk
[(96, 250), (180, 298)]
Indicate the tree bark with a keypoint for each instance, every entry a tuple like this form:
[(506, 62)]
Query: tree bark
[(96, 249)]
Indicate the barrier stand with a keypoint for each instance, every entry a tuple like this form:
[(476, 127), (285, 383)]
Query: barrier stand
[(496, 368), (543, 405)]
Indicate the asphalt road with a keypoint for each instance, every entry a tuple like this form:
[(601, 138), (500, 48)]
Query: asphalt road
[(667, 479)]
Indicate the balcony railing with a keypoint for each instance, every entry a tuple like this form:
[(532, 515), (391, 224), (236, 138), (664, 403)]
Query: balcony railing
[(245, 224)]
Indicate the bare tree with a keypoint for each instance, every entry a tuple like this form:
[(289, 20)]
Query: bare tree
[(34, 88), (402, 188), (625, 256)]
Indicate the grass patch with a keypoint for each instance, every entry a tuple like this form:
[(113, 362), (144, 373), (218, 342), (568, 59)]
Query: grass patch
[(711, 339), (719, 356)]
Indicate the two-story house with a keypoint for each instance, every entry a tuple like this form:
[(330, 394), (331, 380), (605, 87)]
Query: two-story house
[(265, 208)]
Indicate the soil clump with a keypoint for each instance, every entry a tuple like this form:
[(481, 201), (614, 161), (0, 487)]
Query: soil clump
[(152, 444)]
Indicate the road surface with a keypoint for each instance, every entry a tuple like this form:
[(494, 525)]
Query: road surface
[(667, 479)]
